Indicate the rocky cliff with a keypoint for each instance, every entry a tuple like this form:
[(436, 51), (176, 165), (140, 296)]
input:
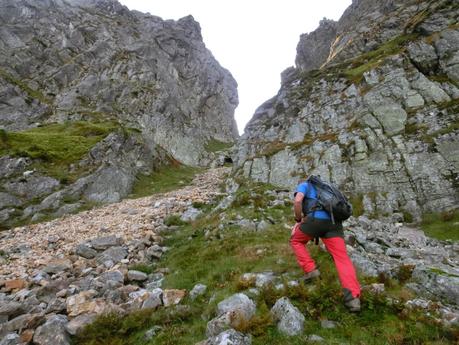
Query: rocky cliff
[(372, 105), (151, 84)]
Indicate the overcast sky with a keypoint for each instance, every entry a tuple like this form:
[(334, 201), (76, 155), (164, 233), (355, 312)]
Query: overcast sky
[(254, 39)]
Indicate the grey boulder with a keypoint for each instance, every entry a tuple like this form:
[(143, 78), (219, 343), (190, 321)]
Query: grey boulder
[(289, 319), (53, 332)]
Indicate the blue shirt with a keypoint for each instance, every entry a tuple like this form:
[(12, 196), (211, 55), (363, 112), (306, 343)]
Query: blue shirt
[(310, 192)]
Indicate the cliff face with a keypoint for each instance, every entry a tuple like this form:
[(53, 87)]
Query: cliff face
[(90, 59), (377, 114), (152, 85)]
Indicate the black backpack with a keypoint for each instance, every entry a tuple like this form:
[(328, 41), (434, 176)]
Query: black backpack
[(329, 199)]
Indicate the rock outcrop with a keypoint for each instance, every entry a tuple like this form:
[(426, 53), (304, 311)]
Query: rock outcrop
[(376, 115), (95, 61)]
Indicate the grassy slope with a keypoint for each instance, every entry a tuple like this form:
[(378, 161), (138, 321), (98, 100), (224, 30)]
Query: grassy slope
[(443, 226), (56, 146), (163, 180), (219, 260)]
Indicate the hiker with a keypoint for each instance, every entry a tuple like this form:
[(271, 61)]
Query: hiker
[(312, 222)]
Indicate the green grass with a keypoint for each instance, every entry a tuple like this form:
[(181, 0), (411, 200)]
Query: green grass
[(214, 145), (165, 179), (374, 58), (173, 219), (141, 267), (55, 146), (219, 263), (357, 205), (443, 226)]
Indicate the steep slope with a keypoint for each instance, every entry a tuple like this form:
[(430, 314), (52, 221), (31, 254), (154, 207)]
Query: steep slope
[(151, 84), (200, 262), (372, 105)]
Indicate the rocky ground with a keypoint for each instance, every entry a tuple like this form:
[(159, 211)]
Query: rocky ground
[(57, 277), (51, 268)]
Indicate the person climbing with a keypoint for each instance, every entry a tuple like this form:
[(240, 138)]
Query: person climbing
[(314, 222)]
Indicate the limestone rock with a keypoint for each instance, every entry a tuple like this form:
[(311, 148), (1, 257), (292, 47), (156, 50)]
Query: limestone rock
[(289, 319), (77, 324), (10, 339), (229, 337), (103, 243), (136, 276), (198, 290), (238, 302), (112, 254), (173, 296), (53, 332)]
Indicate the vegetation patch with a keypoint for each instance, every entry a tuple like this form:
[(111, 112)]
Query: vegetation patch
[(214, 145), (56, 146), (174, 220), (357, 205), (374, 58), (165, 179), (33, 94), (219, 264), (443, 226), (142, 267)]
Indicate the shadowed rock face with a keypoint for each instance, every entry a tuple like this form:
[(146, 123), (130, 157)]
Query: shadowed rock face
[(92, 59), (376, 113)]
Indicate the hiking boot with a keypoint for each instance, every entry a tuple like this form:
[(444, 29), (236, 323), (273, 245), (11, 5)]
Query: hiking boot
[(310, 276), (352, 303)]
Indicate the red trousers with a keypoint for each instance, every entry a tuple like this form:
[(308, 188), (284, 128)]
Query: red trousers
[(337, 248)]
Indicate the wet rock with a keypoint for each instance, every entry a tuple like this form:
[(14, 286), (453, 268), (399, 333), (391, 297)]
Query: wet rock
[(53, 332), (289, 319)]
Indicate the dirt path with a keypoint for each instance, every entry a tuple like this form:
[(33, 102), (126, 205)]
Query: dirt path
[(33, 246)]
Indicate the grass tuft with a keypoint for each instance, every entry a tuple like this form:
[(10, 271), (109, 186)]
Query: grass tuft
[(442, 226)]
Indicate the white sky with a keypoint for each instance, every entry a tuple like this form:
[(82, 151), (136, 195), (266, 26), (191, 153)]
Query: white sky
[(255, 40)]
